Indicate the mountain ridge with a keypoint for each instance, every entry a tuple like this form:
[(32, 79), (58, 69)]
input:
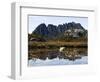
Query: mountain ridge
[(55, 31)]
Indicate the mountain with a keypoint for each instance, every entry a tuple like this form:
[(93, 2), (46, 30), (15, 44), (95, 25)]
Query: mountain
[(52, 31), (74, 25), (41, 30)]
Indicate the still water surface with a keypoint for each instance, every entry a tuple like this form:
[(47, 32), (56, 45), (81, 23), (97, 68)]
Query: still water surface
[(70, 56)]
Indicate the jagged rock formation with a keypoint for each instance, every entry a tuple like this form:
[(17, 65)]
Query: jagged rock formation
[(51, 31)]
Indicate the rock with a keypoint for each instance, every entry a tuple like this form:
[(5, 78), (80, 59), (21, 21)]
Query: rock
[(53, 32)]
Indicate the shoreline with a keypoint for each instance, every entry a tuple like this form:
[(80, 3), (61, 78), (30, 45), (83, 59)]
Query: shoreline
[(56, 44)]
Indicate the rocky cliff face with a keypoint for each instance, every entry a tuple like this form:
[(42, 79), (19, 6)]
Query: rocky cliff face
[(52, 31)]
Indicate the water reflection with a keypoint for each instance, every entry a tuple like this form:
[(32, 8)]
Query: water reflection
[(69, 54)]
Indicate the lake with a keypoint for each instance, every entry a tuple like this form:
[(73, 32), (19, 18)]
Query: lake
[(46, 57)]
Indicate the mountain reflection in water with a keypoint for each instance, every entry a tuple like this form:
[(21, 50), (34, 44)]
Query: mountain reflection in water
[(54, 57)]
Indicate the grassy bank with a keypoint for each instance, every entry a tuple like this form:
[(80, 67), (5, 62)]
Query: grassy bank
[(55, 44)]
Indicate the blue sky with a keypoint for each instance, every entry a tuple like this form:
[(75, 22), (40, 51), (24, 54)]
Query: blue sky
[(34, 21)]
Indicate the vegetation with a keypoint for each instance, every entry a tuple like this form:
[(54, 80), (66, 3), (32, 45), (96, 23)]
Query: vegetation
[(56, 43), (45, 39)]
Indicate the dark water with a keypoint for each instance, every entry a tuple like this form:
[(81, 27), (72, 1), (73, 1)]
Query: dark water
[(69, 56)]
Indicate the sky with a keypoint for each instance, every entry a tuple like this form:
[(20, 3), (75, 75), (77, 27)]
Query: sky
[(34, 21)]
